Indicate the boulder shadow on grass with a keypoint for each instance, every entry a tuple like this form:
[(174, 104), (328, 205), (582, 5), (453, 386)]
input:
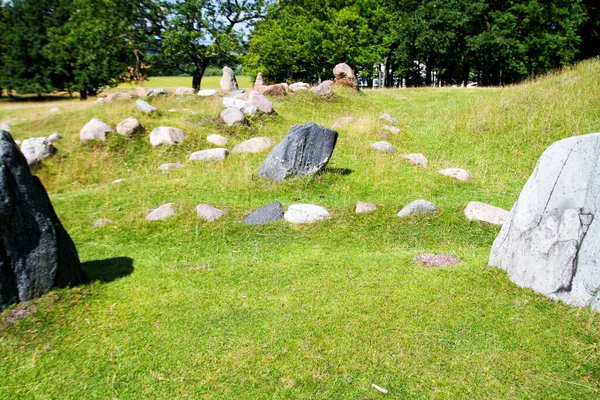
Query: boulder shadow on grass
[(338, 171), (108, 270)]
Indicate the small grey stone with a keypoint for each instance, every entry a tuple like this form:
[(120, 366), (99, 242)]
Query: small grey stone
[(265, 214), (383, 135), (161, 212), (208, 212), (217, 139), (183, 91), (253, 145), (164, 168), (101, 222), (207, 92), (437, 260), (232, 116), (389, 118), (145, 107), (305, 213), (95, 130), (129, 127), (417, 207), (166, 135), (37, 149), (383, 146), (456, 173), (477, 211), (417, 159), (393, 129), (209, 155), (365, 207), (54, 137)]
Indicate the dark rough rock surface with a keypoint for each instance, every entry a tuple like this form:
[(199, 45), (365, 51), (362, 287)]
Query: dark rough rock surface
[(306, 149), (36, 253), (265, 214)]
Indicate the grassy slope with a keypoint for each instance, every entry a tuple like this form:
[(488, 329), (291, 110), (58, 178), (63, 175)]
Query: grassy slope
[(224, 310)]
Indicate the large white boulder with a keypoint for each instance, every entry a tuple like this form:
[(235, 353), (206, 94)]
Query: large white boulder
[(305, 213), (166, 135), (550, 241), (37, 149), (95, 130)]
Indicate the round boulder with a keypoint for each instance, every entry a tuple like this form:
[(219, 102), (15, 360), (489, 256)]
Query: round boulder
[(305, 213), (166, 135), (95, 130), (345, 76), (129, 127)]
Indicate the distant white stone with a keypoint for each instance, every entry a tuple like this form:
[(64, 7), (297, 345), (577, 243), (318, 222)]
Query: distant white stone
[(228, 81), (217, 139), (232, 116), (208, 212), (305, 213), (393, 129), (417, 207), (100, 100), (299, 87), (129, 127), (161, 212), (389, 118), (477, 211), (207, 92), (365, 207), (456, 173), (95, 130), (209, 155), (383, 146), (145, 107), (164, 168), (166, 135), (417, 159), (254, 145), (242, 105), (182, 91)]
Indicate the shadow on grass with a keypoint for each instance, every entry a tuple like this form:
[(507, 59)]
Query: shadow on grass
[(339, 171), (108, 270), (36, 99)]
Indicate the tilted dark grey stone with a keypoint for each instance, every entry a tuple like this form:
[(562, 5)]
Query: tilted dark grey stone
[(269, 213), (306, 149), (36, 253)]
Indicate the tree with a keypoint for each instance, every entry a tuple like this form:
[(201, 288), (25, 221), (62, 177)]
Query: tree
[(199, 31)]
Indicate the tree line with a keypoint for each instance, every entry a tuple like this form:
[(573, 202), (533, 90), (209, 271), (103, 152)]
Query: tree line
[(85, 45)]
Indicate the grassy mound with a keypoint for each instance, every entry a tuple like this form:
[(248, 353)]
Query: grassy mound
[(181, 308)]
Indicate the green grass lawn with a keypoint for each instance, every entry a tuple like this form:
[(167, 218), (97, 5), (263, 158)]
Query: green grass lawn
[(208, 82), (186, 309)]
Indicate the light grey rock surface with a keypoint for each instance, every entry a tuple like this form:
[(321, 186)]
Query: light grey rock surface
[(261, 102), (232, 116), (343, 121), (253, 145), (164, 168), (417, 207), (236, 94), (383, 146), (130, 127), (265, 214), (166, 135), (54, 137), (477, 211), (156, 92), (184, 91), (305, 213), (299, 87), (345, 76), (323, 89), (95, 130), (161, 212), (306, 149), (209, 155), (362, 207), (417, 159), (208, 212), (456, 173), (228, 81), (242, 105), (145, 107), (37, 149), (388, 118), (217, 139), (551, 240), (36, 253), (395, 130), (207, 92)]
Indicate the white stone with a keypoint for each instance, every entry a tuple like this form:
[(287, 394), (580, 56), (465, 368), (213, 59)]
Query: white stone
[(393, 129), (477, 211), (208, 212), (183, 91), (37, 149), (362, 207), (232, 116), (550, 241), (417, 207), (228, 81), (217, 139), (54, 137), (456, 173), (129, 127), (95, 130), (166, 135), (145, 107), (161, 212), (156, 92), (261, 102), (254, 145), (299, 87), (242, 105), (417, 159), (305, 213), (383, 146), (389, 118), (209, 155), (207, 92)]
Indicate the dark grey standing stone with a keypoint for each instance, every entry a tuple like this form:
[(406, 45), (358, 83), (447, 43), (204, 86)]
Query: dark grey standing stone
[(36, 253), (269, 213), (306, 149)]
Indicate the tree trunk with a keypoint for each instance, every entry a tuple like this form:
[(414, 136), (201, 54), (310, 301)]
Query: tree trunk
[(83, 95), (198, 74)]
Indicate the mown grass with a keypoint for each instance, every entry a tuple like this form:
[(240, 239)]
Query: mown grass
[(186, 309)]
